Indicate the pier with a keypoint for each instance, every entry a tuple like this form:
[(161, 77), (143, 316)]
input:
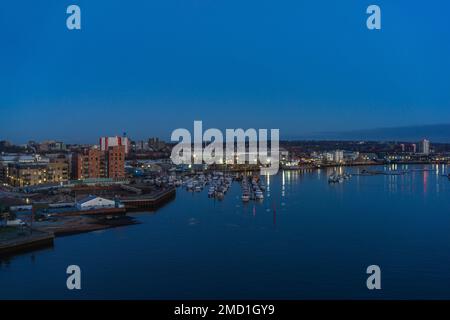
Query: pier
[(151, 201)]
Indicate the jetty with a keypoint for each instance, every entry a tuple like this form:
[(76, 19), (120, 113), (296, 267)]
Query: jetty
[(150, 201)]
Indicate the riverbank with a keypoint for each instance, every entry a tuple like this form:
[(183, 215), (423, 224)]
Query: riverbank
[(361, 164), (311, 166), (19, 239), (70, 225), (66, 223), (399, 223), (48, 222)]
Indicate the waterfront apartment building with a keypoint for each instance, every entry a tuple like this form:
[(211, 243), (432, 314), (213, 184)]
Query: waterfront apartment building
[(335, 156), (58, 170), (90, 163), (27, 174), (23, 174), (97, 163), (116, 162), (338, 156), (424, 147)]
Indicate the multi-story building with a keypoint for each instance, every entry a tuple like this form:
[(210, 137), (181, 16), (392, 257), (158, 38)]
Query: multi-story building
[(106, 142), (58, 170), (424, 147), (22, 174), (90, 163), (116, 162), (338, 156), (49, 146), (327, 156), (335, 156), (284, 154), (95, 163), (11, 158), (351, 155), (27, 174)]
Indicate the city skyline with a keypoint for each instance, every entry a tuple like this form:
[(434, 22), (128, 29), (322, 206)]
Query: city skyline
[(439, 133), (154, 67), (224, 158)]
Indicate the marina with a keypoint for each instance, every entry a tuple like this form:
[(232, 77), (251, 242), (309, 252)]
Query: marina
[(218, 183), (224, 158)]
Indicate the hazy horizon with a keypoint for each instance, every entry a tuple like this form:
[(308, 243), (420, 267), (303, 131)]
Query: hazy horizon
[(438, 133)]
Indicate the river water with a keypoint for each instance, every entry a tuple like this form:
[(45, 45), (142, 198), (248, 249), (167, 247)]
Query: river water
[(307, 239)]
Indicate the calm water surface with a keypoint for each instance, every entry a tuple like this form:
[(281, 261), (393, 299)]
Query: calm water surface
[(308, 239)]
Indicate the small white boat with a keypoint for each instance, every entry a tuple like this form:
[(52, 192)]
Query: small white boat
[(259, 195)]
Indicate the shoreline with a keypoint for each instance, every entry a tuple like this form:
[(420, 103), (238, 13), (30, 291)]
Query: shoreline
[(321, 166), (77, 222), (26, 242)]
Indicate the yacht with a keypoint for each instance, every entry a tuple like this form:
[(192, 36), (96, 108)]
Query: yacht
[(259, 195)]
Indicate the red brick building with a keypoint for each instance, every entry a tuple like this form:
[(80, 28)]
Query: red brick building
[(116, 162), (95, 163)]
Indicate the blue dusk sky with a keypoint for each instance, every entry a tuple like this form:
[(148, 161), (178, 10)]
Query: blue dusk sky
[(148, 67)]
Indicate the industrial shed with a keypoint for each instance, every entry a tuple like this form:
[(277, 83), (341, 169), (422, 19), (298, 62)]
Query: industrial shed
[(94, 202)]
